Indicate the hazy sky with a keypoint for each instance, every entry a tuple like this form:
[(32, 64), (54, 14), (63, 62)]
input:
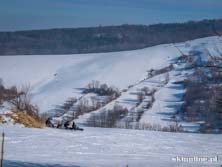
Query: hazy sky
[(41, 14)]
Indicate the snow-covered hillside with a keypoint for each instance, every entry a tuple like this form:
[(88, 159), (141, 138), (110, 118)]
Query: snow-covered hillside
[(151, 83), (98, 147), (55, 78)]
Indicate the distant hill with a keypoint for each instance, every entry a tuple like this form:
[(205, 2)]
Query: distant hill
[(103, 39)]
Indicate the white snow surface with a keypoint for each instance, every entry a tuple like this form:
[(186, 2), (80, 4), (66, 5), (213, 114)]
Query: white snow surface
[(54, 77), (100, 147)]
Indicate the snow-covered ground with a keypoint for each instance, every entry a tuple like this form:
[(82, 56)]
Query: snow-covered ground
[(99, 147), (168, 97), (55, 78)]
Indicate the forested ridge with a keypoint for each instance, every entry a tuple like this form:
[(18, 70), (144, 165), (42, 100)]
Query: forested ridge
[(103, 39)]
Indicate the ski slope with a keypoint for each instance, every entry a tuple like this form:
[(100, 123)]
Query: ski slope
[(101, 147), (54, 78)]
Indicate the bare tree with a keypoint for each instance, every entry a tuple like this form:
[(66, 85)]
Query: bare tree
[(146, 90), (101, 89), (107, 118), (22, 101), (167, 78), (140, 97)]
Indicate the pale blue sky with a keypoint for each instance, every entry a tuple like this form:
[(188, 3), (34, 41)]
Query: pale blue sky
[(42, 14)]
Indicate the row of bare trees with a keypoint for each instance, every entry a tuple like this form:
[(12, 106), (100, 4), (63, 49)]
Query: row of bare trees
[(107, 118), (19, 99), (101, 89), (84, 104), (175, 127), (203, 99)]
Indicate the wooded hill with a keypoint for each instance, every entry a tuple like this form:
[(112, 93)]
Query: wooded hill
[(103, 39)]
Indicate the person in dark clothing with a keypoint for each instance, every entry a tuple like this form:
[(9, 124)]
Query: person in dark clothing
[(66, 125), (49, 123), (74, 127)]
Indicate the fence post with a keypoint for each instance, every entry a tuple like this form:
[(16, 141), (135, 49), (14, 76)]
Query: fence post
[(2, 153)]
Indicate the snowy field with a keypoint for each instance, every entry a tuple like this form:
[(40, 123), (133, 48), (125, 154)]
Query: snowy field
[(98, 147), (55, 78)]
